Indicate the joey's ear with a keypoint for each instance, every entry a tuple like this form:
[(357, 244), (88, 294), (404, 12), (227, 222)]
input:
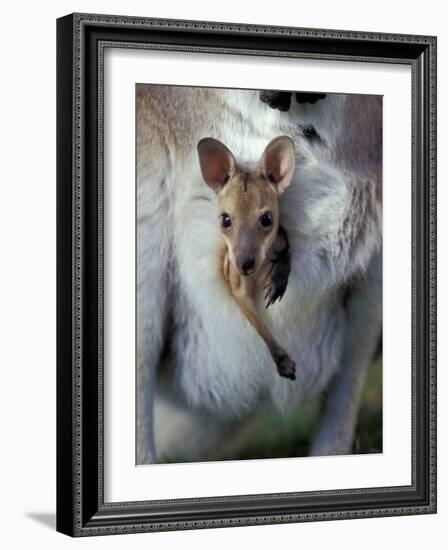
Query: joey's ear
[(217, 163), (277, 162)]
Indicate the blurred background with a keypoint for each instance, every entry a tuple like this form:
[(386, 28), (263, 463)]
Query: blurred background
[(263, 435)]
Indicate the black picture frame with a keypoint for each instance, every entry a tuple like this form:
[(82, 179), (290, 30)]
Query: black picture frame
[(81, 510)]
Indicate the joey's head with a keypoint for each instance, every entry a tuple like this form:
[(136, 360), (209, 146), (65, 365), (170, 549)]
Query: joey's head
[(248, 199)]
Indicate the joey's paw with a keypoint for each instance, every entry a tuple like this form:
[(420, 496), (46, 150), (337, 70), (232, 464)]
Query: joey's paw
[(276, 287), (286, 367)]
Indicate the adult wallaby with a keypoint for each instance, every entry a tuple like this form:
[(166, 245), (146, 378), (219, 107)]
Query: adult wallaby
[(329, 319)]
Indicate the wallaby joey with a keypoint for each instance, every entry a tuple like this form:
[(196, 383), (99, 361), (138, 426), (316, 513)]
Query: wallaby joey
[(256, 254)]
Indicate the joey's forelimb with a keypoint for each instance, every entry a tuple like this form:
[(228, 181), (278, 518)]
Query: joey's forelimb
[(274, 278)]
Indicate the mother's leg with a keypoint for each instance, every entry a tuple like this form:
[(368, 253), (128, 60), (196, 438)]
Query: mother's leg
[(364, 316), (152, 311)]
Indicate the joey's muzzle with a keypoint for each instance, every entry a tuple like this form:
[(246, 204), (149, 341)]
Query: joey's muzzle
[(247, 265)]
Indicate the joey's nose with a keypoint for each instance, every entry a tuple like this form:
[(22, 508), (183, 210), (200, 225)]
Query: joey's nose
[(247, 265)]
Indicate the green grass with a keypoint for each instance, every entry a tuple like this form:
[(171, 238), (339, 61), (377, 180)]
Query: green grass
[(278, 436)]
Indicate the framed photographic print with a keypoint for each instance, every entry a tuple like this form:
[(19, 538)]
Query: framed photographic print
[(246, 274)]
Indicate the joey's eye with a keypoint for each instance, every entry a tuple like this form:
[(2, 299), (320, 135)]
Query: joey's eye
[(266, 219), (226, 222)]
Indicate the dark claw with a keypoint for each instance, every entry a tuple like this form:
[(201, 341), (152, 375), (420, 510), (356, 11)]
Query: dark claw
[(276, 287), (286, 367), (281, 266)]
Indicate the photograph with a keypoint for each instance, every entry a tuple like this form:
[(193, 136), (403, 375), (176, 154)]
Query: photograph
[(258, 273)]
